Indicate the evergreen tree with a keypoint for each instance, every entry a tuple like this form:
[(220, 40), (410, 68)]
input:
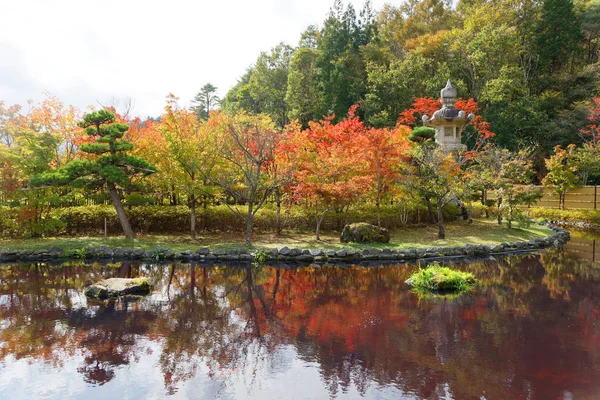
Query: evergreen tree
[(559, 34), (303, 96), (112, 169), (205, 101)]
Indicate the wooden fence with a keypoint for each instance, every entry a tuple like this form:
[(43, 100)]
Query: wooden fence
[(582, 198)]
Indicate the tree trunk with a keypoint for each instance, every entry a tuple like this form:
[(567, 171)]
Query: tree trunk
[(116, 200), (464, 212), (499, 213), (430, 210), (249, 220), (441, 230), (378, 212), (173, 196), (193, 215), (319, 222), (562, 201), (484, 202), (278, 212)]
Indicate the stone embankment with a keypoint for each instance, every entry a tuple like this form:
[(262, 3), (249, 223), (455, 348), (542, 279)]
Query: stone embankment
[(575, 224), (558, 238)]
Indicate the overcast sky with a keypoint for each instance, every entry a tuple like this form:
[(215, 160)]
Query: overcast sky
[(90, 51)]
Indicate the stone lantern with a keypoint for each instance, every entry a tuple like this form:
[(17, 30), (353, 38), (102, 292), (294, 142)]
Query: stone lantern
[(448, 121)]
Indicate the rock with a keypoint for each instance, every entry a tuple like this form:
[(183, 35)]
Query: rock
[(115, 287), (341, 253), (386, 254), (305, 257), (148, 255), (169, 255), (119, 253), (370, 254), (203, 251), (126, 252), (317, 253), (138, 254), (273, 254), (287, 253), (294, 252), (496, 248), (364, 233), (469, 250), (246, 257)]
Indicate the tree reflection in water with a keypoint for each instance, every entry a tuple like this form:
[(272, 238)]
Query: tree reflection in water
[(529, 331)]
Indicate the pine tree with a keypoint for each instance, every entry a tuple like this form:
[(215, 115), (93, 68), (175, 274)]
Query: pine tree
[(205, 101), (112, 169), (559, 34)]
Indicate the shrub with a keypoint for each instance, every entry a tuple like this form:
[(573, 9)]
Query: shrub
[(8, 221), (437, 278), (588, 216), (478, 210), (136, 199), (89, 220)]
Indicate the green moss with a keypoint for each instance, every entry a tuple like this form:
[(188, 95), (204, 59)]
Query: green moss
[(436, 278)]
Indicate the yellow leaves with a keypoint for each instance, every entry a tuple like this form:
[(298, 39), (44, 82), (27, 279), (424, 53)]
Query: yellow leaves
[(428, 44)]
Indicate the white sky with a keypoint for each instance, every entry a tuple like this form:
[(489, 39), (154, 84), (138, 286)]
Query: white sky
[(90, 51)]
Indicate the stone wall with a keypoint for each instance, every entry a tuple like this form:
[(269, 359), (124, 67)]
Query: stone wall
[(558, 238)]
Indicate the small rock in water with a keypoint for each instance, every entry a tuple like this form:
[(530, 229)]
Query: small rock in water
[(115, 287)]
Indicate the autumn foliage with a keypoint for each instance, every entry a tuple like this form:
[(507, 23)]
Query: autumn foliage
[(427, 106), (340, 163)]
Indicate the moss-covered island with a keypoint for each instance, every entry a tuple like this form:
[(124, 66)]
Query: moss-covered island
[(436, 278)]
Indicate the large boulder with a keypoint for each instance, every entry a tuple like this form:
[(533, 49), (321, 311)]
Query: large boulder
[(364, 233), (115, 287)]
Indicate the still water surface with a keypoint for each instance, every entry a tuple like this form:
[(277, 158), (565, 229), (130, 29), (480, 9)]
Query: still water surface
[(530, 331)]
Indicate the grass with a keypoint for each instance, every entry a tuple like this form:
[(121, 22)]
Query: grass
[(458, 234), (436, 278)]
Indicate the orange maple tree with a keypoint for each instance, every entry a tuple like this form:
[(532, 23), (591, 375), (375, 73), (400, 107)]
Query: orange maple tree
[(386, 150), (333, 166)]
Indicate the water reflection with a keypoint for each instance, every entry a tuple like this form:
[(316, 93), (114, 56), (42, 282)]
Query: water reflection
[(529, 331)]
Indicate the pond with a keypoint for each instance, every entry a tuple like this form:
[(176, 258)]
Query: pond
[(529, 331)]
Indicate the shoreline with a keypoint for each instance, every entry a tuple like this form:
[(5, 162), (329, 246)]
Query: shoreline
[(204, 254)]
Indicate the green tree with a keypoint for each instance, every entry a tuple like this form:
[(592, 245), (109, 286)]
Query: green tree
[(513, 184), (559, 35), (342, 67), (590, 24), (183, 135), (262, 90), (303, 96), (587, 162), (562, 172), (439, 175), (205, 101), (110, 167)]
